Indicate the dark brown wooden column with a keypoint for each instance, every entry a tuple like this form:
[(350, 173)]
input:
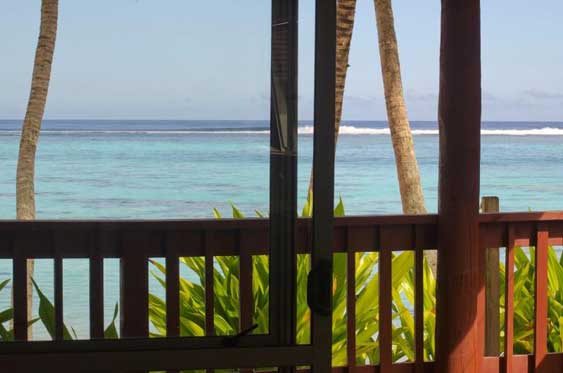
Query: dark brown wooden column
[(459, 345)]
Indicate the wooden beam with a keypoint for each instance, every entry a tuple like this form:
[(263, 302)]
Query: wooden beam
[(459, 344), (148, 359)]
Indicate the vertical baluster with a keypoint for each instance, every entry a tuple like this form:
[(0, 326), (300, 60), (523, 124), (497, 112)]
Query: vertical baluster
[(172, 290), (209, 292), (350, 302), (540, 340), (245, 289), (246, 301), (96, 289), (418, 300), (58, 286), (385, 329), (509, 302), (20, 295)]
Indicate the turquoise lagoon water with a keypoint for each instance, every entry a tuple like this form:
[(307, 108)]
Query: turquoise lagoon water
[(182, 169)]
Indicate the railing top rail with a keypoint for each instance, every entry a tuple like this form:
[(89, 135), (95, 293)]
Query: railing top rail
[(514, 217), (249, 223), (211, 224), (198, 237), (80, 239)]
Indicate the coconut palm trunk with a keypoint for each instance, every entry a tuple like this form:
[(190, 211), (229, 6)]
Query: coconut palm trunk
[(25, 179), (346, 12), (408, 173)]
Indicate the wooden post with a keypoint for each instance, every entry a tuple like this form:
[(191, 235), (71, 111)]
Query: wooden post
[(459, 345), (492, 287)]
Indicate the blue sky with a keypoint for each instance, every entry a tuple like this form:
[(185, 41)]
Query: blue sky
[(186, 59)]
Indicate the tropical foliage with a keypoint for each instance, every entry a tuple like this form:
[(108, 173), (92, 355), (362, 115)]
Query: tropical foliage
[(524, 289), (226, 302), (47, 318)]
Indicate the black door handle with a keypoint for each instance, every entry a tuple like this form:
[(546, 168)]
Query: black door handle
[(319, 288)]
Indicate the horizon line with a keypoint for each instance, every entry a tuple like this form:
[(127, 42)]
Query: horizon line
[(264, 120)]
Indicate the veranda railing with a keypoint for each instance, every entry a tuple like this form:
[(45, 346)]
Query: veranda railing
[(134, 242)]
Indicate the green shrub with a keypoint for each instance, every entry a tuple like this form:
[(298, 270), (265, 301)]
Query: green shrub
[(47, 318), (226, 302), (524, 289)]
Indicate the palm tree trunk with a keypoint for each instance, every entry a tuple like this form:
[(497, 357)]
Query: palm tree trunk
[(408, 173), (346, 11), (407, 166), (25, 188)]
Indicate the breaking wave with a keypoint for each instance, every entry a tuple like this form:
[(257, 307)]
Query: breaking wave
[(305, 130), (351, 130)]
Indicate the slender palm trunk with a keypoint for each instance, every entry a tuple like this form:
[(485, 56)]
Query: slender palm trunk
[(346, 11), (25, 188), (408, 173), (407, 166)]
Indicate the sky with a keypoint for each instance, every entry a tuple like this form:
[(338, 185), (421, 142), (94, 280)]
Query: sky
[(187, 59)]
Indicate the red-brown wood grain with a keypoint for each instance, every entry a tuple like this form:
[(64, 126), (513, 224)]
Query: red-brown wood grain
[(540, 329), (418, 301), (509, 306), (385, 316), (350, 303), (459, 342)]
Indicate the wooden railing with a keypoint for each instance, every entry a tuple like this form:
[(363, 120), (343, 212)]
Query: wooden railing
[(538, 229), (134, 242)]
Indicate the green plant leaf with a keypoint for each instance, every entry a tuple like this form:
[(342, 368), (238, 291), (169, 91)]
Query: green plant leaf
[(6, 315), (236, 212), (307, 211), (339, 209), (111, 330), (47, 314), (3, 284), (217, 214), (259, 214)]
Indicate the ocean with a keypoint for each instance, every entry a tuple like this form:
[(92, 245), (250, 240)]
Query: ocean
[(132, 169)]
